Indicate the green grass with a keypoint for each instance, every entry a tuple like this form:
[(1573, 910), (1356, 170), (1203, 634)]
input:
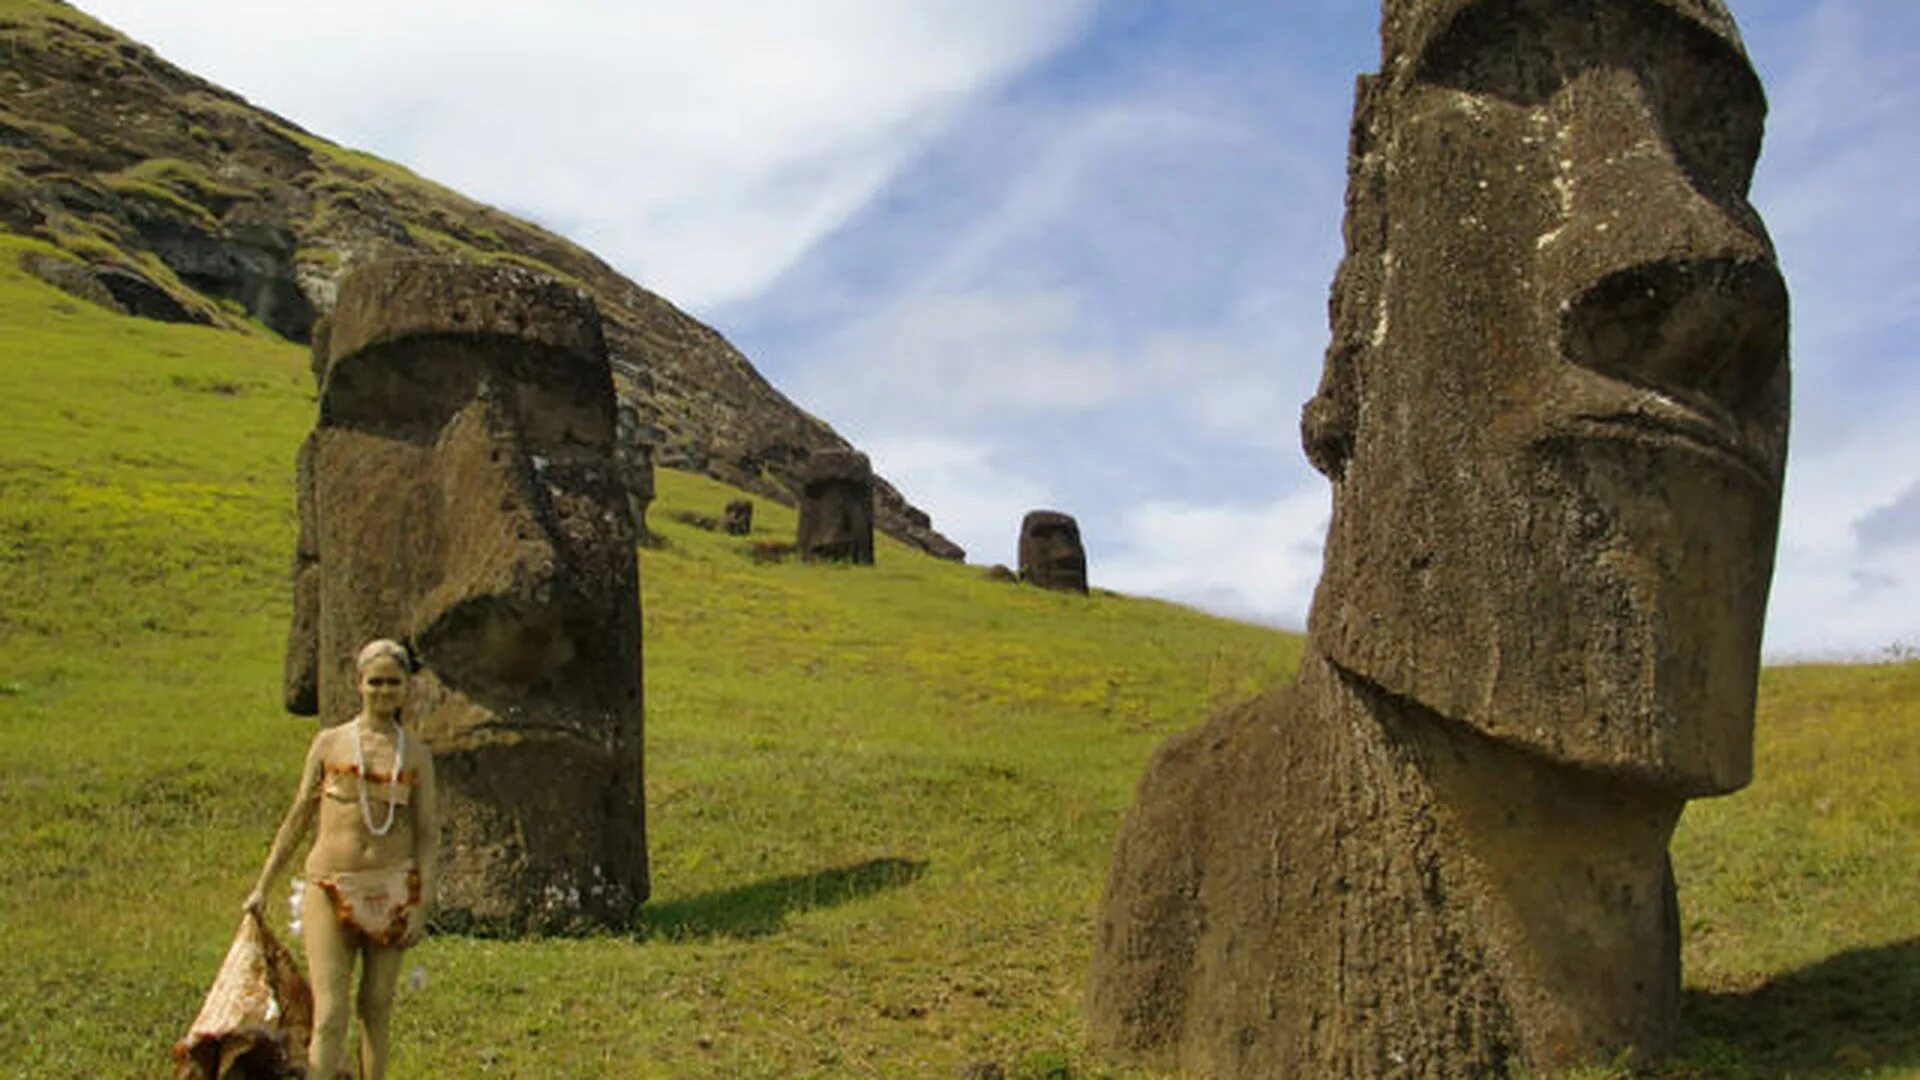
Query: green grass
[(880, 798)]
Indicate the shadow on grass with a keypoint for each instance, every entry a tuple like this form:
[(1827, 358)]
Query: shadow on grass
[(1854, 1011), (762, 908)]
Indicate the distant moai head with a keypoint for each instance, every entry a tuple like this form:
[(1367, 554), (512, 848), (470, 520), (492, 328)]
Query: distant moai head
[(1555, 406), (739, 519), (464, 497), (635, 457), (1050, 552), (836, 508)]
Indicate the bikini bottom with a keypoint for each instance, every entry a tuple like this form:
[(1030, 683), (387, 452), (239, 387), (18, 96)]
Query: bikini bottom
[(375, 903)]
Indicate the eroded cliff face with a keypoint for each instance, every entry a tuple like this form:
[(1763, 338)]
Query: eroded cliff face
[(175, 199)]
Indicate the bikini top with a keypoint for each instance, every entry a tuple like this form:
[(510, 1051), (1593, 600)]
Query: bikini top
[(343, 782)]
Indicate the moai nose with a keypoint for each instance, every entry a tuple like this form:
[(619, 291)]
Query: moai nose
[(1664, 275), (496, 611)]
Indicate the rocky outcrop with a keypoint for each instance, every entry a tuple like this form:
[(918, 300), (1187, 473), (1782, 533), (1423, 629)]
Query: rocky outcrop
[(190, 204)]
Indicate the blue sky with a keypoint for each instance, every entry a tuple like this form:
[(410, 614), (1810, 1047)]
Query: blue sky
[(1076, 254)]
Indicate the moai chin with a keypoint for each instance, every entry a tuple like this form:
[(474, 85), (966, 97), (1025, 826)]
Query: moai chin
[(1559, 375), (1051, 555), (739, 518), (460, 492), (836, 508)]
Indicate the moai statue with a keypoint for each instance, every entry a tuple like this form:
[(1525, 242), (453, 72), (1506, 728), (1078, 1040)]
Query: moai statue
[(1050, 552), (460, 492), (1554, 414), (836, 508), (739, 519), (634, 456)]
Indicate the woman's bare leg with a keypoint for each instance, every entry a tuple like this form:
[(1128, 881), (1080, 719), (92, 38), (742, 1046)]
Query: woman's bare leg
[(330, 968), (379, 972)]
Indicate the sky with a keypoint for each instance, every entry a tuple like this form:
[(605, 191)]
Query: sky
[(1075, 254)]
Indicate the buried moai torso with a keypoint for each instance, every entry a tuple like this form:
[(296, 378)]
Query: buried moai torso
[(460, 492), (1554, 414), (1051, 555), (836, 508)]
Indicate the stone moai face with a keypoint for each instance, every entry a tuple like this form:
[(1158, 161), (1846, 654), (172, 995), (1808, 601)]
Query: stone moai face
[(1050, 552), (739, 518), (836, 508), (465, 497), (1555, 407)]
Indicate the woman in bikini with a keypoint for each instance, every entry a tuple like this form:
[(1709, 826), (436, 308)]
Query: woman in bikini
[(368, 792)]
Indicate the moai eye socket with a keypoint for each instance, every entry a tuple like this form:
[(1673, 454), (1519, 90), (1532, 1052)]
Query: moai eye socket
[(559, 413), (407, 392), (1710, 332)]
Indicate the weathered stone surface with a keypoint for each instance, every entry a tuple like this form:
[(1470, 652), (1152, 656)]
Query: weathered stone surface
[(836, 509), (1554, 413), (465, 498), (250, 263), (739, 519), (1051, 555), (301, 688), (633, 452), (70, 276)]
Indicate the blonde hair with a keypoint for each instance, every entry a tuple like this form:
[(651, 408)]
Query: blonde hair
[(387, 647)]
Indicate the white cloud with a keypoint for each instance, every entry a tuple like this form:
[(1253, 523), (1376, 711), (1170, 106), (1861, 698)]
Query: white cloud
[(958, 362), (1257, 561), (948, 358), (975, 499), (1839, 589), (700, 147)]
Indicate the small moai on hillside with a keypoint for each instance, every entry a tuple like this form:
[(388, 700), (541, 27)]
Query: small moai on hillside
[(634, 454), (739, 517), (1051, 555), (836, 508), (460, 492), (1558, 376)]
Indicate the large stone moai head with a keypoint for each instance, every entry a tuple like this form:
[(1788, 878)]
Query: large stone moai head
[(465, 497), (836, 508), (1050, 552), (1555, 407)]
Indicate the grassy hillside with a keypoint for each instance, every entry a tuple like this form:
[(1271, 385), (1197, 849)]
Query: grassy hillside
[(881, 798)]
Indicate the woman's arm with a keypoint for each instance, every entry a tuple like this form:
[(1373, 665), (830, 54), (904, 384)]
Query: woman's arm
[(426, 842), (294, 829)]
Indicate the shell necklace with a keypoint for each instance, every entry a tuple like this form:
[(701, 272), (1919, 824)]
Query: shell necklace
[(360, 763)]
